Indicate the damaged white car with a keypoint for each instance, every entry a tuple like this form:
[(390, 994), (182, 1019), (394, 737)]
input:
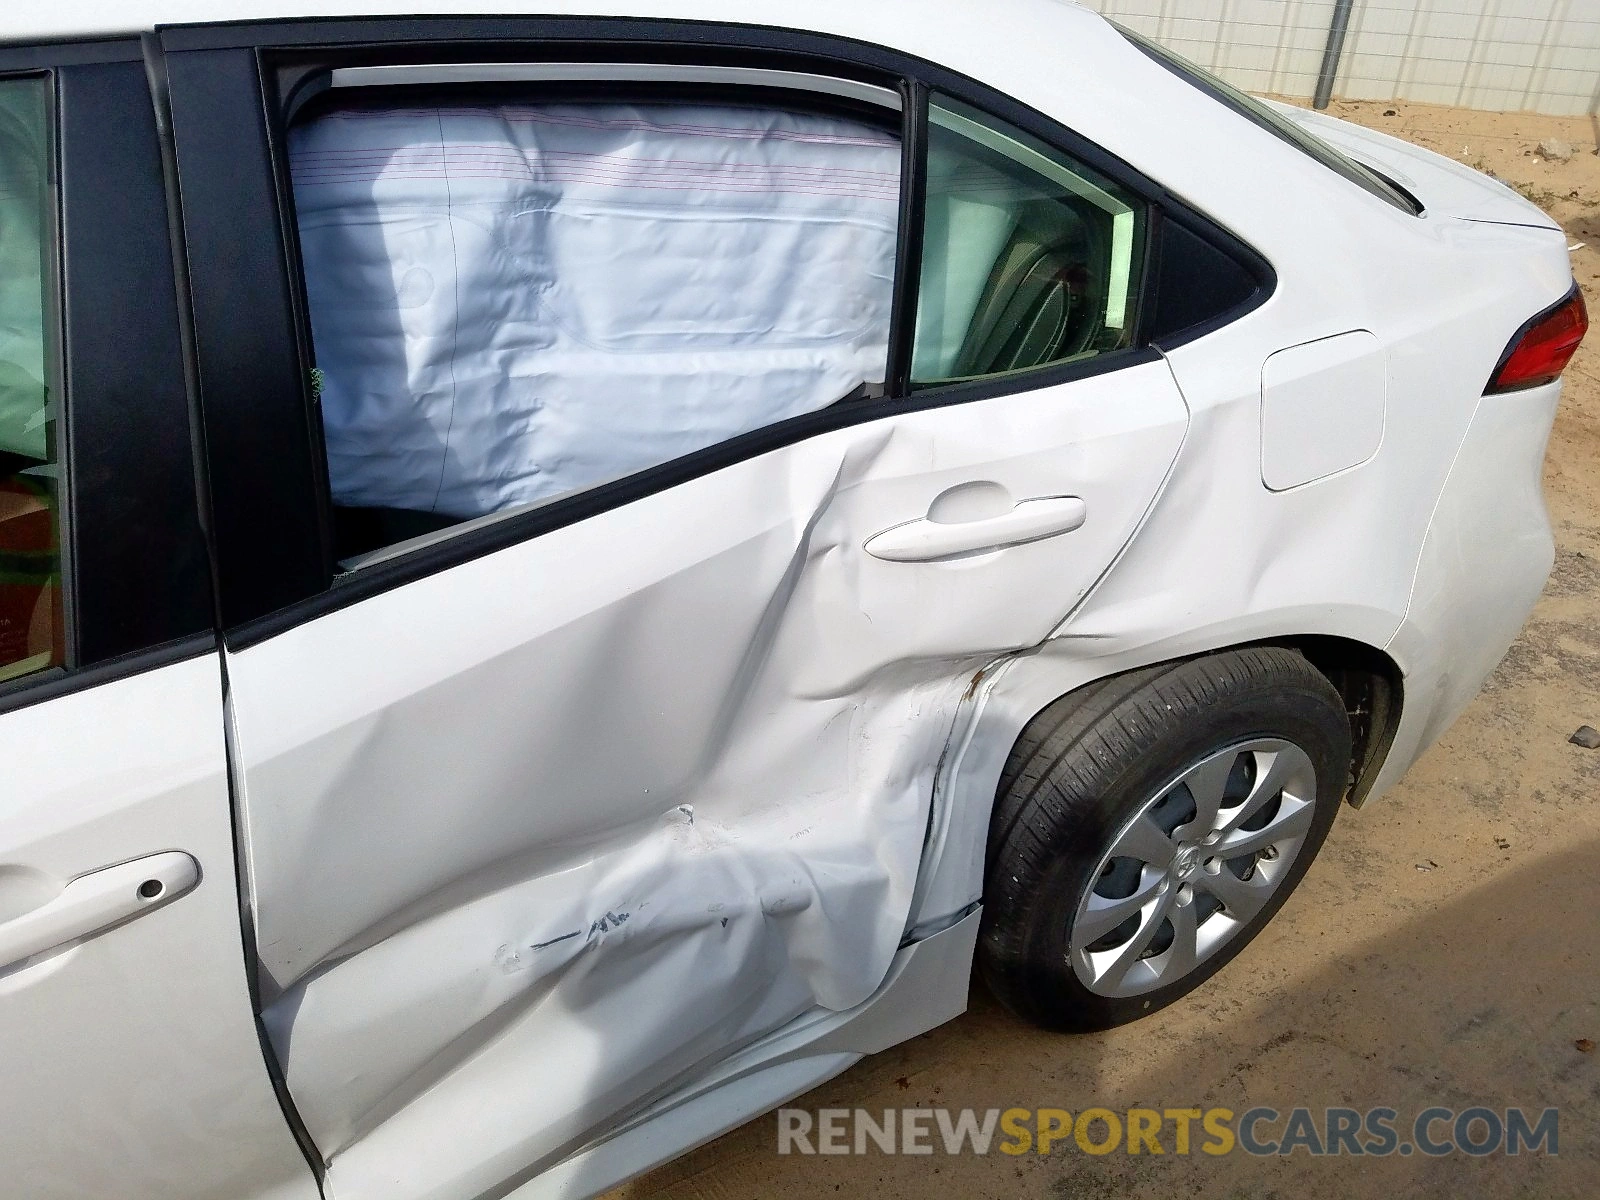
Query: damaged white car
[(564, 575)]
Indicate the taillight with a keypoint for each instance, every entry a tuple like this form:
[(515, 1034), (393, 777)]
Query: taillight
[(1542, 347)]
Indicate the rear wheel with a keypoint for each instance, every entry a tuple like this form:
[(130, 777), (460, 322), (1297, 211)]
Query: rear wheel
[(1149, 826)]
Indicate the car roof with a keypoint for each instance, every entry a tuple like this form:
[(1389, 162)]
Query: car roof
[(871, 20)]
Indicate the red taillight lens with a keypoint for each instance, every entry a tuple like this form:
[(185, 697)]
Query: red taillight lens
[(1540, 352)]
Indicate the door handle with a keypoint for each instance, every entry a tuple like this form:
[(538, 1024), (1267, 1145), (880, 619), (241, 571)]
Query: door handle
[(97, 901), (927, 540)]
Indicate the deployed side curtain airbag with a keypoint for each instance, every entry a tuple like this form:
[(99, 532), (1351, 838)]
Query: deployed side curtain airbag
[(512, 302)]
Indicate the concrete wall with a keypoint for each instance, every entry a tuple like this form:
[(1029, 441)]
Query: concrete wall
[(1504, 55)]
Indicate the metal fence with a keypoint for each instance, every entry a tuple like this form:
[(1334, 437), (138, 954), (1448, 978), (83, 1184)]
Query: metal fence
[(1505, 55)]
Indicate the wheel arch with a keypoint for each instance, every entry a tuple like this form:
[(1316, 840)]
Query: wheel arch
[(1373, 689), (1126, 787), (1011, 692)]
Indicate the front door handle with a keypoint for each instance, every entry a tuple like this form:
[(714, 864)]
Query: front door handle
[(927, 540), (97, 901)]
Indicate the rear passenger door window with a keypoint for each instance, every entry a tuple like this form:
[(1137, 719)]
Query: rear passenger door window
[(522, 288), (32, 631), (520, 294), (1028, 258)]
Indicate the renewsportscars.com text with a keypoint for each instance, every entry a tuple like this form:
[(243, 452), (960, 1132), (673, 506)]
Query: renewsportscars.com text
[(1376, 1131)]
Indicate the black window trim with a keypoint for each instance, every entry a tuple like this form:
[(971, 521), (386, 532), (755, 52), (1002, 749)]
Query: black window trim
[(50, 56), (277, 50), (127, 607), (908, 252)]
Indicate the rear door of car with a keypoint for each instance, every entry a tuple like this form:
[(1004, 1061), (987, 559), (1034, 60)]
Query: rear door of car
[(547, 810), (131, 1063)]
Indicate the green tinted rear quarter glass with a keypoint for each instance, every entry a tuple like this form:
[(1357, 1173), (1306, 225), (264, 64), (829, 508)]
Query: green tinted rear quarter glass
[(31, 622), (1028, 258), (1274, 122)]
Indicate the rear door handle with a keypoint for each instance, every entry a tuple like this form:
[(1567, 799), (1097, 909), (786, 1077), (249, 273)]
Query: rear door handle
[(927, 540), (97, 901)]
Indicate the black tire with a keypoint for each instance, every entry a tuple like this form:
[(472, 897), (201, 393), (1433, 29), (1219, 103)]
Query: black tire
[(1087, 764)]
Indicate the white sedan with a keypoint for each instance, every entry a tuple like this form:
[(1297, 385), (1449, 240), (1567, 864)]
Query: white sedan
[(564, 577)]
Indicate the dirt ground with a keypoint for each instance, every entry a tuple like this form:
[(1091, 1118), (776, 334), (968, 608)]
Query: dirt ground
[(1442, 951)]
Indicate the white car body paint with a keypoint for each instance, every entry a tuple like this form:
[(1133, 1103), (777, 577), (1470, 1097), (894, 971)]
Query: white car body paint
[(156, 1009), (1322, 406), (441, 778), (1454, 188), (1483, 564)]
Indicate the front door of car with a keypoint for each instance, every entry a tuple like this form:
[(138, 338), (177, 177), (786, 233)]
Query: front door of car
[(607, 745)]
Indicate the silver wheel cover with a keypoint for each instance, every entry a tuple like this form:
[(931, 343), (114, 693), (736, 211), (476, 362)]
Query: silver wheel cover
[(1193, 866)]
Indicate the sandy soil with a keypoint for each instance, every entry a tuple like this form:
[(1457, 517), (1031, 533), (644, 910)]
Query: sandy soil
[(1442, 950)]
